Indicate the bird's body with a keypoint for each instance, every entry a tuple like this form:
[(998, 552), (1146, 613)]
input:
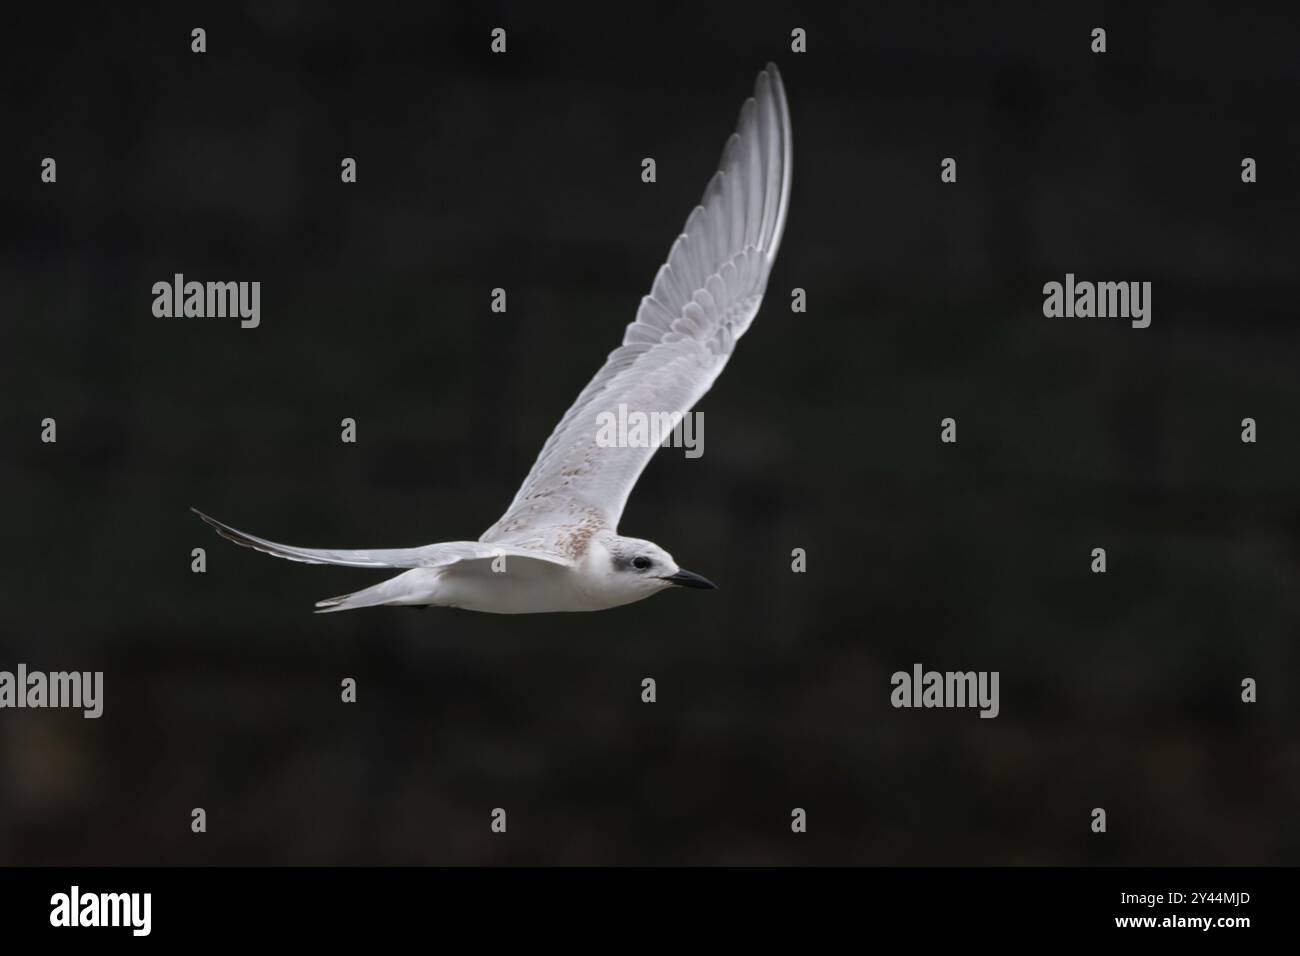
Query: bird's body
[(557, 547), (527, 587), (506, 585)]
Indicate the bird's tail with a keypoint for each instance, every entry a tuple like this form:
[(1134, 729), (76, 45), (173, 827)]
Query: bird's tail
[(403, 590)]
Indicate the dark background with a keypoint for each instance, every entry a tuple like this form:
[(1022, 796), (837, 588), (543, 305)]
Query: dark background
[(522, 171)]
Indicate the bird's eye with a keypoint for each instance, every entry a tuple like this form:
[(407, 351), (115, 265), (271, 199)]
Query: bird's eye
[(640, 563)]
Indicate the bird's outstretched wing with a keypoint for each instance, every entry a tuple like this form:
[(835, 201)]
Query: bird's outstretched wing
[(429, 556), (703, 299)]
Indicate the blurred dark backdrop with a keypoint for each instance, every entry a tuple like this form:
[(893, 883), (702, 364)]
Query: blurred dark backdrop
[(522, 171)]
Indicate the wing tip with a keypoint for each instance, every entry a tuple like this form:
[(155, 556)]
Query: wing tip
[(227, 532), (207, 519), (769, 74)]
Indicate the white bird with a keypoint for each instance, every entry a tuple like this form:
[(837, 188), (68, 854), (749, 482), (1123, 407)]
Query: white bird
[(557, 547)]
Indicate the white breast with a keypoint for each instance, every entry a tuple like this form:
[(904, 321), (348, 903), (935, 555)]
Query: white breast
[(524, 587)]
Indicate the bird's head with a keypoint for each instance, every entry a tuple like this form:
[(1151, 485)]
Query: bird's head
[(640, 568)]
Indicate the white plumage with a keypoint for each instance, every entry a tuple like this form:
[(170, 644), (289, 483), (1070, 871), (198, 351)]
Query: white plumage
[(556, 548)]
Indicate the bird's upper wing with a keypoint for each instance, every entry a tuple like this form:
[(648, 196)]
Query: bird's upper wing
[(703, 299), (429, 556)]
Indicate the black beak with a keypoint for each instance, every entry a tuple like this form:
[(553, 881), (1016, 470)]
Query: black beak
[(689, 579)]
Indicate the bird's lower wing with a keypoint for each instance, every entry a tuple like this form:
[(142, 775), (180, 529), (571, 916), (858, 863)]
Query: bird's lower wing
[(428, 556)]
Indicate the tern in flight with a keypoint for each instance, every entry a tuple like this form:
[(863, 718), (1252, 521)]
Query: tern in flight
[(557, 547)]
